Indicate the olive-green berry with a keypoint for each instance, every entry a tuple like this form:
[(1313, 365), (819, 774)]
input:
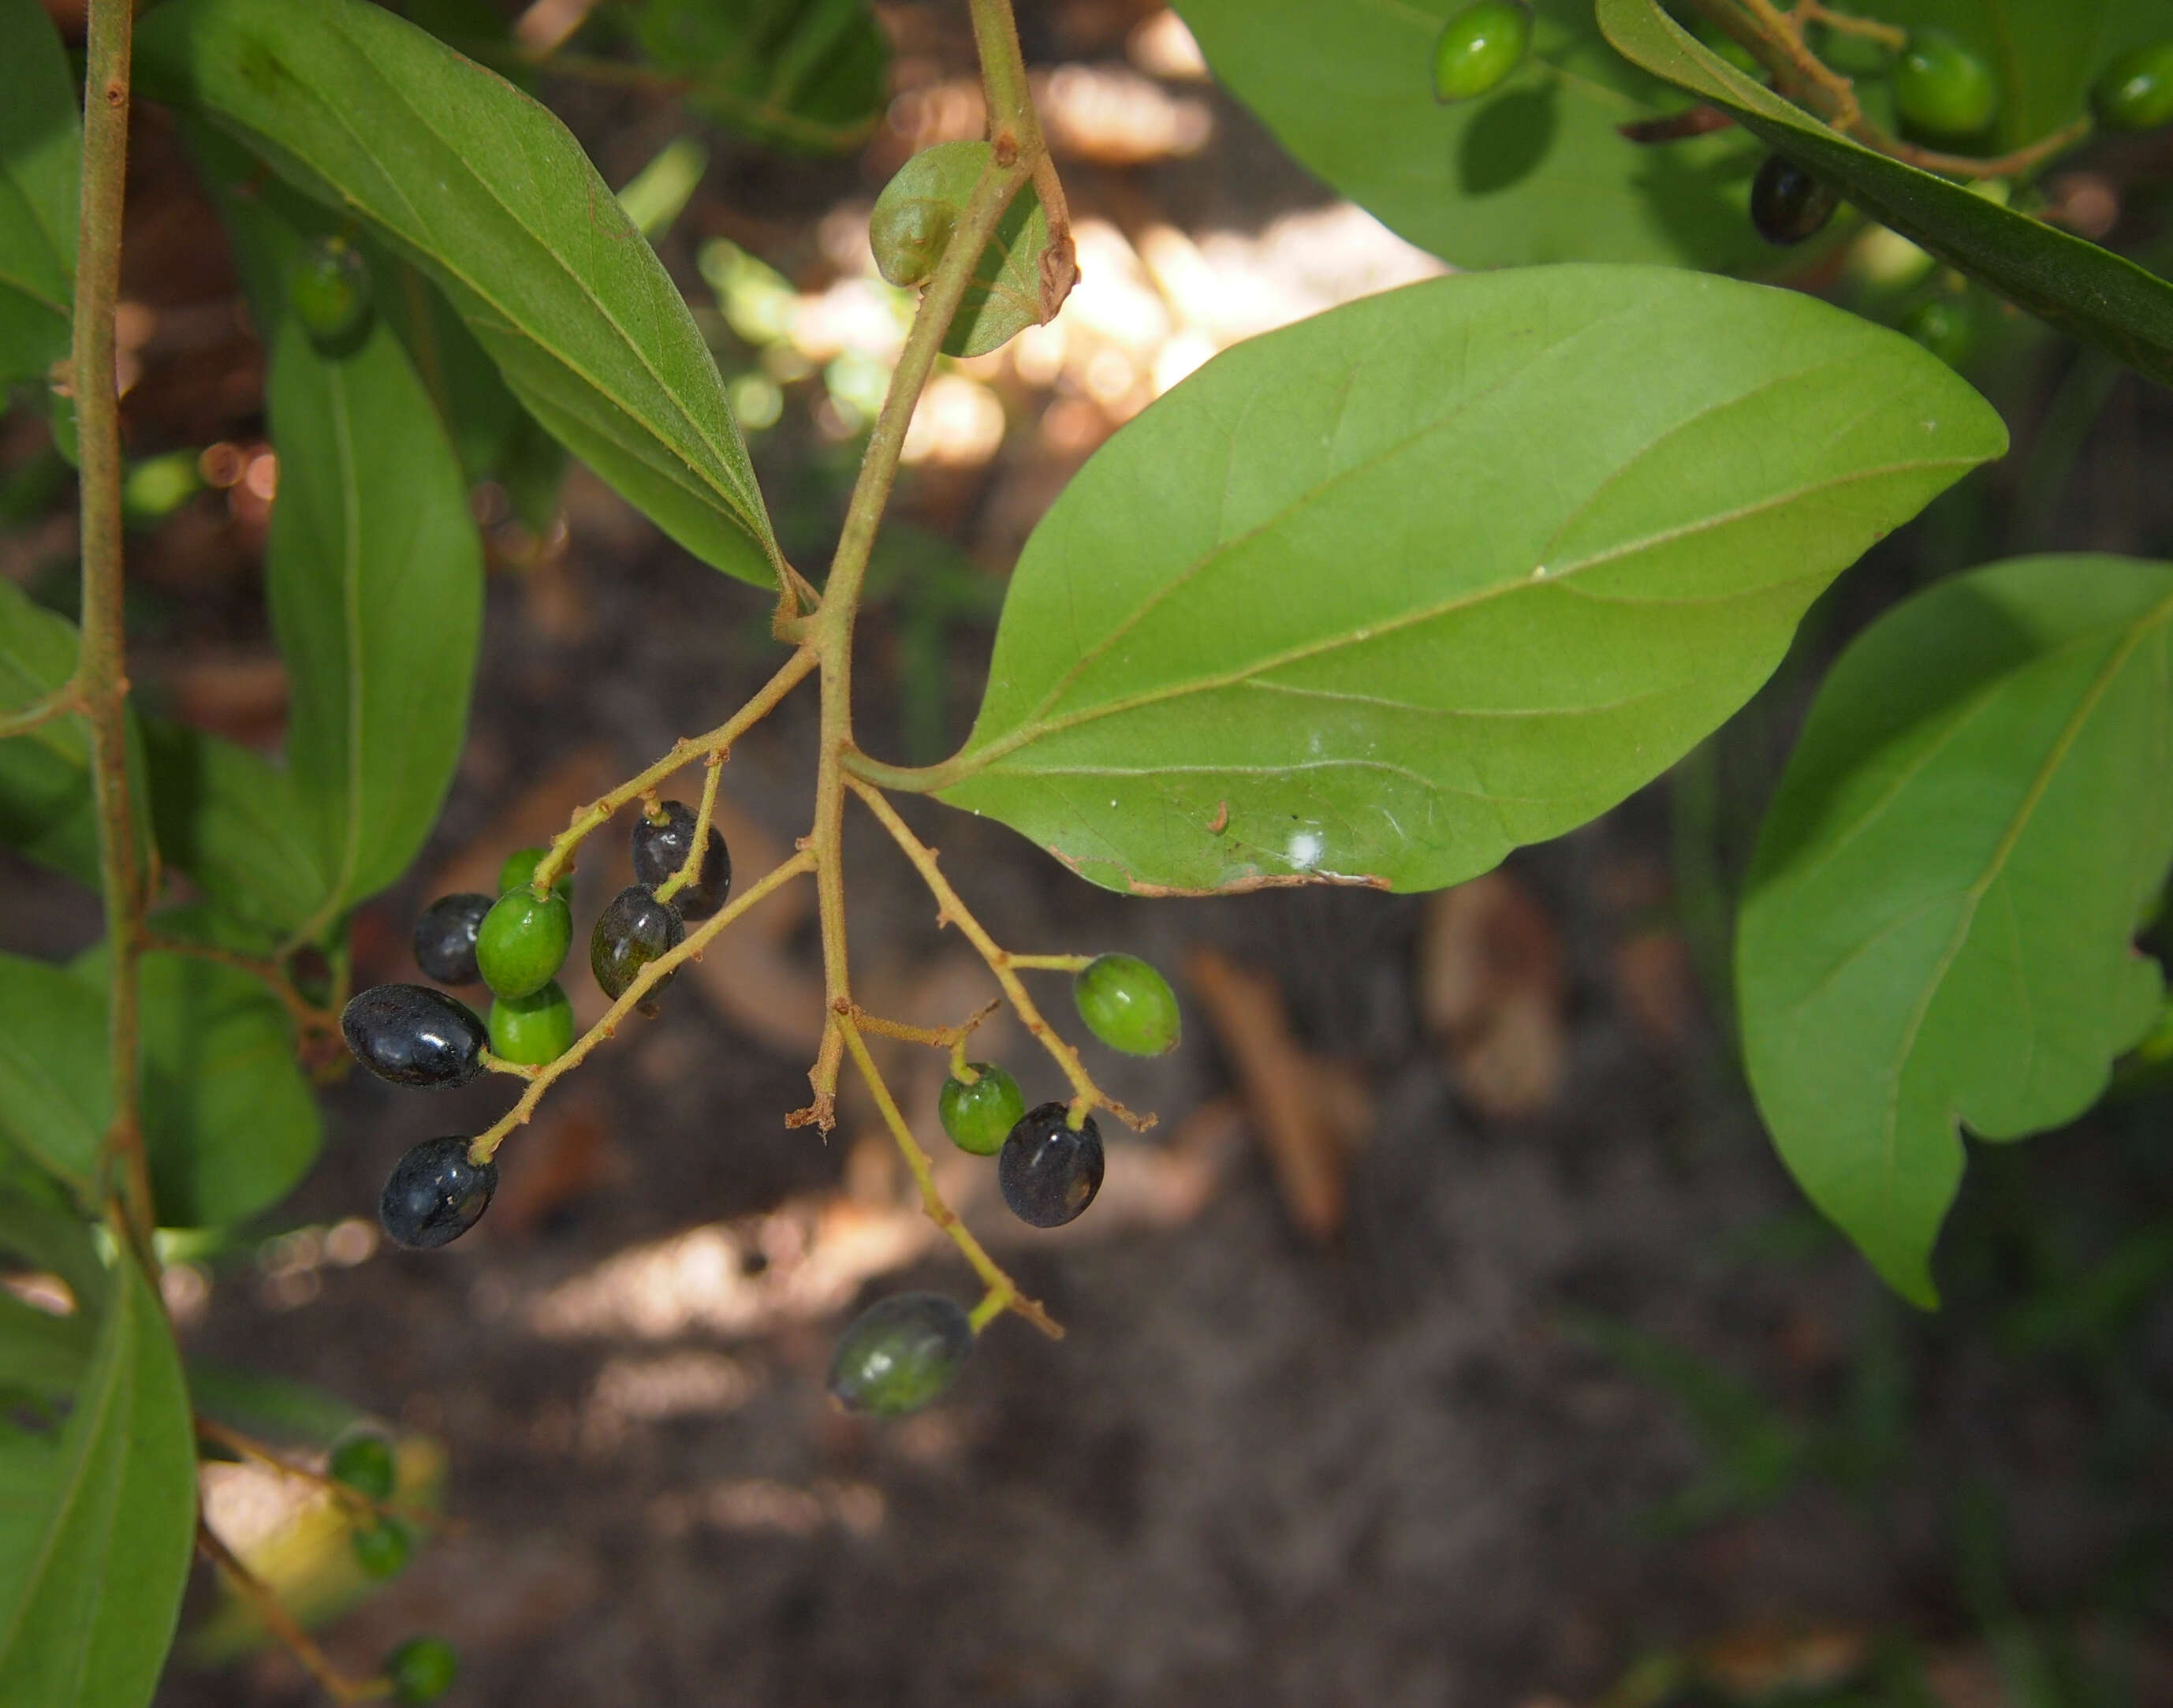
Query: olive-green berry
[(532, 1029), (2135, 92), (979, 1114), (422, 1669), (1127, 1004), (519, 870), (523, 942), (1479, 47), (366, 1464), (1943, 89), (383, 1548), (328, 288)]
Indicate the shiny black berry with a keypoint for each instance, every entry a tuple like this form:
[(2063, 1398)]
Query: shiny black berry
[(660, 848), (1787, 204), (901, 1355), (632, 932), (979, 1113), (435, 1194), (366, 1463), (422, 1669), (1050, 1172), (414, 1036), (445, 937)]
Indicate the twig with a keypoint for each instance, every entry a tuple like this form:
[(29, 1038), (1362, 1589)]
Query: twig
[(951, 911), (717, 743), (486, 1144), (1000, 1285), (691, 867), (1015, 132), (63, 699), (211, 1429), (1888, 35), (282, 1624), (941, 1037), (307, 1016)]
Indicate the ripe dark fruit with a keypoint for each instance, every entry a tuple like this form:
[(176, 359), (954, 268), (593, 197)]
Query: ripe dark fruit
[(1127, 1004), (520, 868), (523, 942), (979, 1116), (382, 1550), (435, 1194), (413, 1036), (445, 937), (1943, 89), (632, 932), (532, 1029), (1479, 47), (366, 1464), (1048, 1172), (901, 1355), (2135, 92), (660, 848), (328, 288), (1787, 204), (422, 1669)]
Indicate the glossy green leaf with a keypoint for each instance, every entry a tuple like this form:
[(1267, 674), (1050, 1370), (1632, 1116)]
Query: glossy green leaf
[(1536, 171), (40, 145), (1937, 928), (97, 1524), (55, 1095), (1378, 596), (374, 573), (489, 193), (233, 822), (809, 74), (2082, 289), (1003, 297)]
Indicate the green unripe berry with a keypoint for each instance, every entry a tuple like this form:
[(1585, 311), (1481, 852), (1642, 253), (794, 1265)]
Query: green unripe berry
[(519, 870), (979, 1116), (2135, 92), (365, 1463), (422, 1669), (1945, 326), (328, 288), (1127, 1004), (383, 1548), (901, 1355), (533, 1029), (1942, 89), (523, 942), (1479, 47)]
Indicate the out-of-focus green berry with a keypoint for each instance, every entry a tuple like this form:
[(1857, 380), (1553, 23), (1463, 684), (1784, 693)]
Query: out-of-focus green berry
[(422, 1669), (2135, 92), (901, 1355), (365, 1463), (328, 287), (1942, 89), (1479, 47)]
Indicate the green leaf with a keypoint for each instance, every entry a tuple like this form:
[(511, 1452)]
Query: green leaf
[(41, 148), (1938, 927), (1536, 171), (40, 1352), (45, 775), (1003, 297), (488, 193), (2082, 289), (234, 823), (55, 1091), (374, 574), (1378, 596), (810, 74), (99, 1523), (41, 1225)]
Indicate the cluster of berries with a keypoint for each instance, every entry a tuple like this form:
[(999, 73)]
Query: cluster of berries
[(421, 1669), (904, 1353), (516, 944)]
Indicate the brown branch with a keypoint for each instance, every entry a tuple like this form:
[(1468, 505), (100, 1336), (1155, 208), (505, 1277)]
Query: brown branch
[(283, 1625)]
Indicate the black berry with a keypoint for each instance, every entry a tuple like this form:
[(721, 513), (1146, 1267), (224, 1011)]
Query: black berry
[(660, 848), (445, 937), (901, 1355), (1049, 1171), (422, 1669), (414, 1036), (435, 1194), (632, 932), (1787, 204)]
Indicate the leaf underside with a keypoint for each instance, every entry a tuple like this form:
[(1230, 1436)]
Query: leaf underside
[(1938, 925)]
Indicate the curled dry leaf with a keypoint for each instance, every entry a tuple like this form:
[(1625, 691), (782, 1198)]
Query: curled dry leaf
[(1492, 988)]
